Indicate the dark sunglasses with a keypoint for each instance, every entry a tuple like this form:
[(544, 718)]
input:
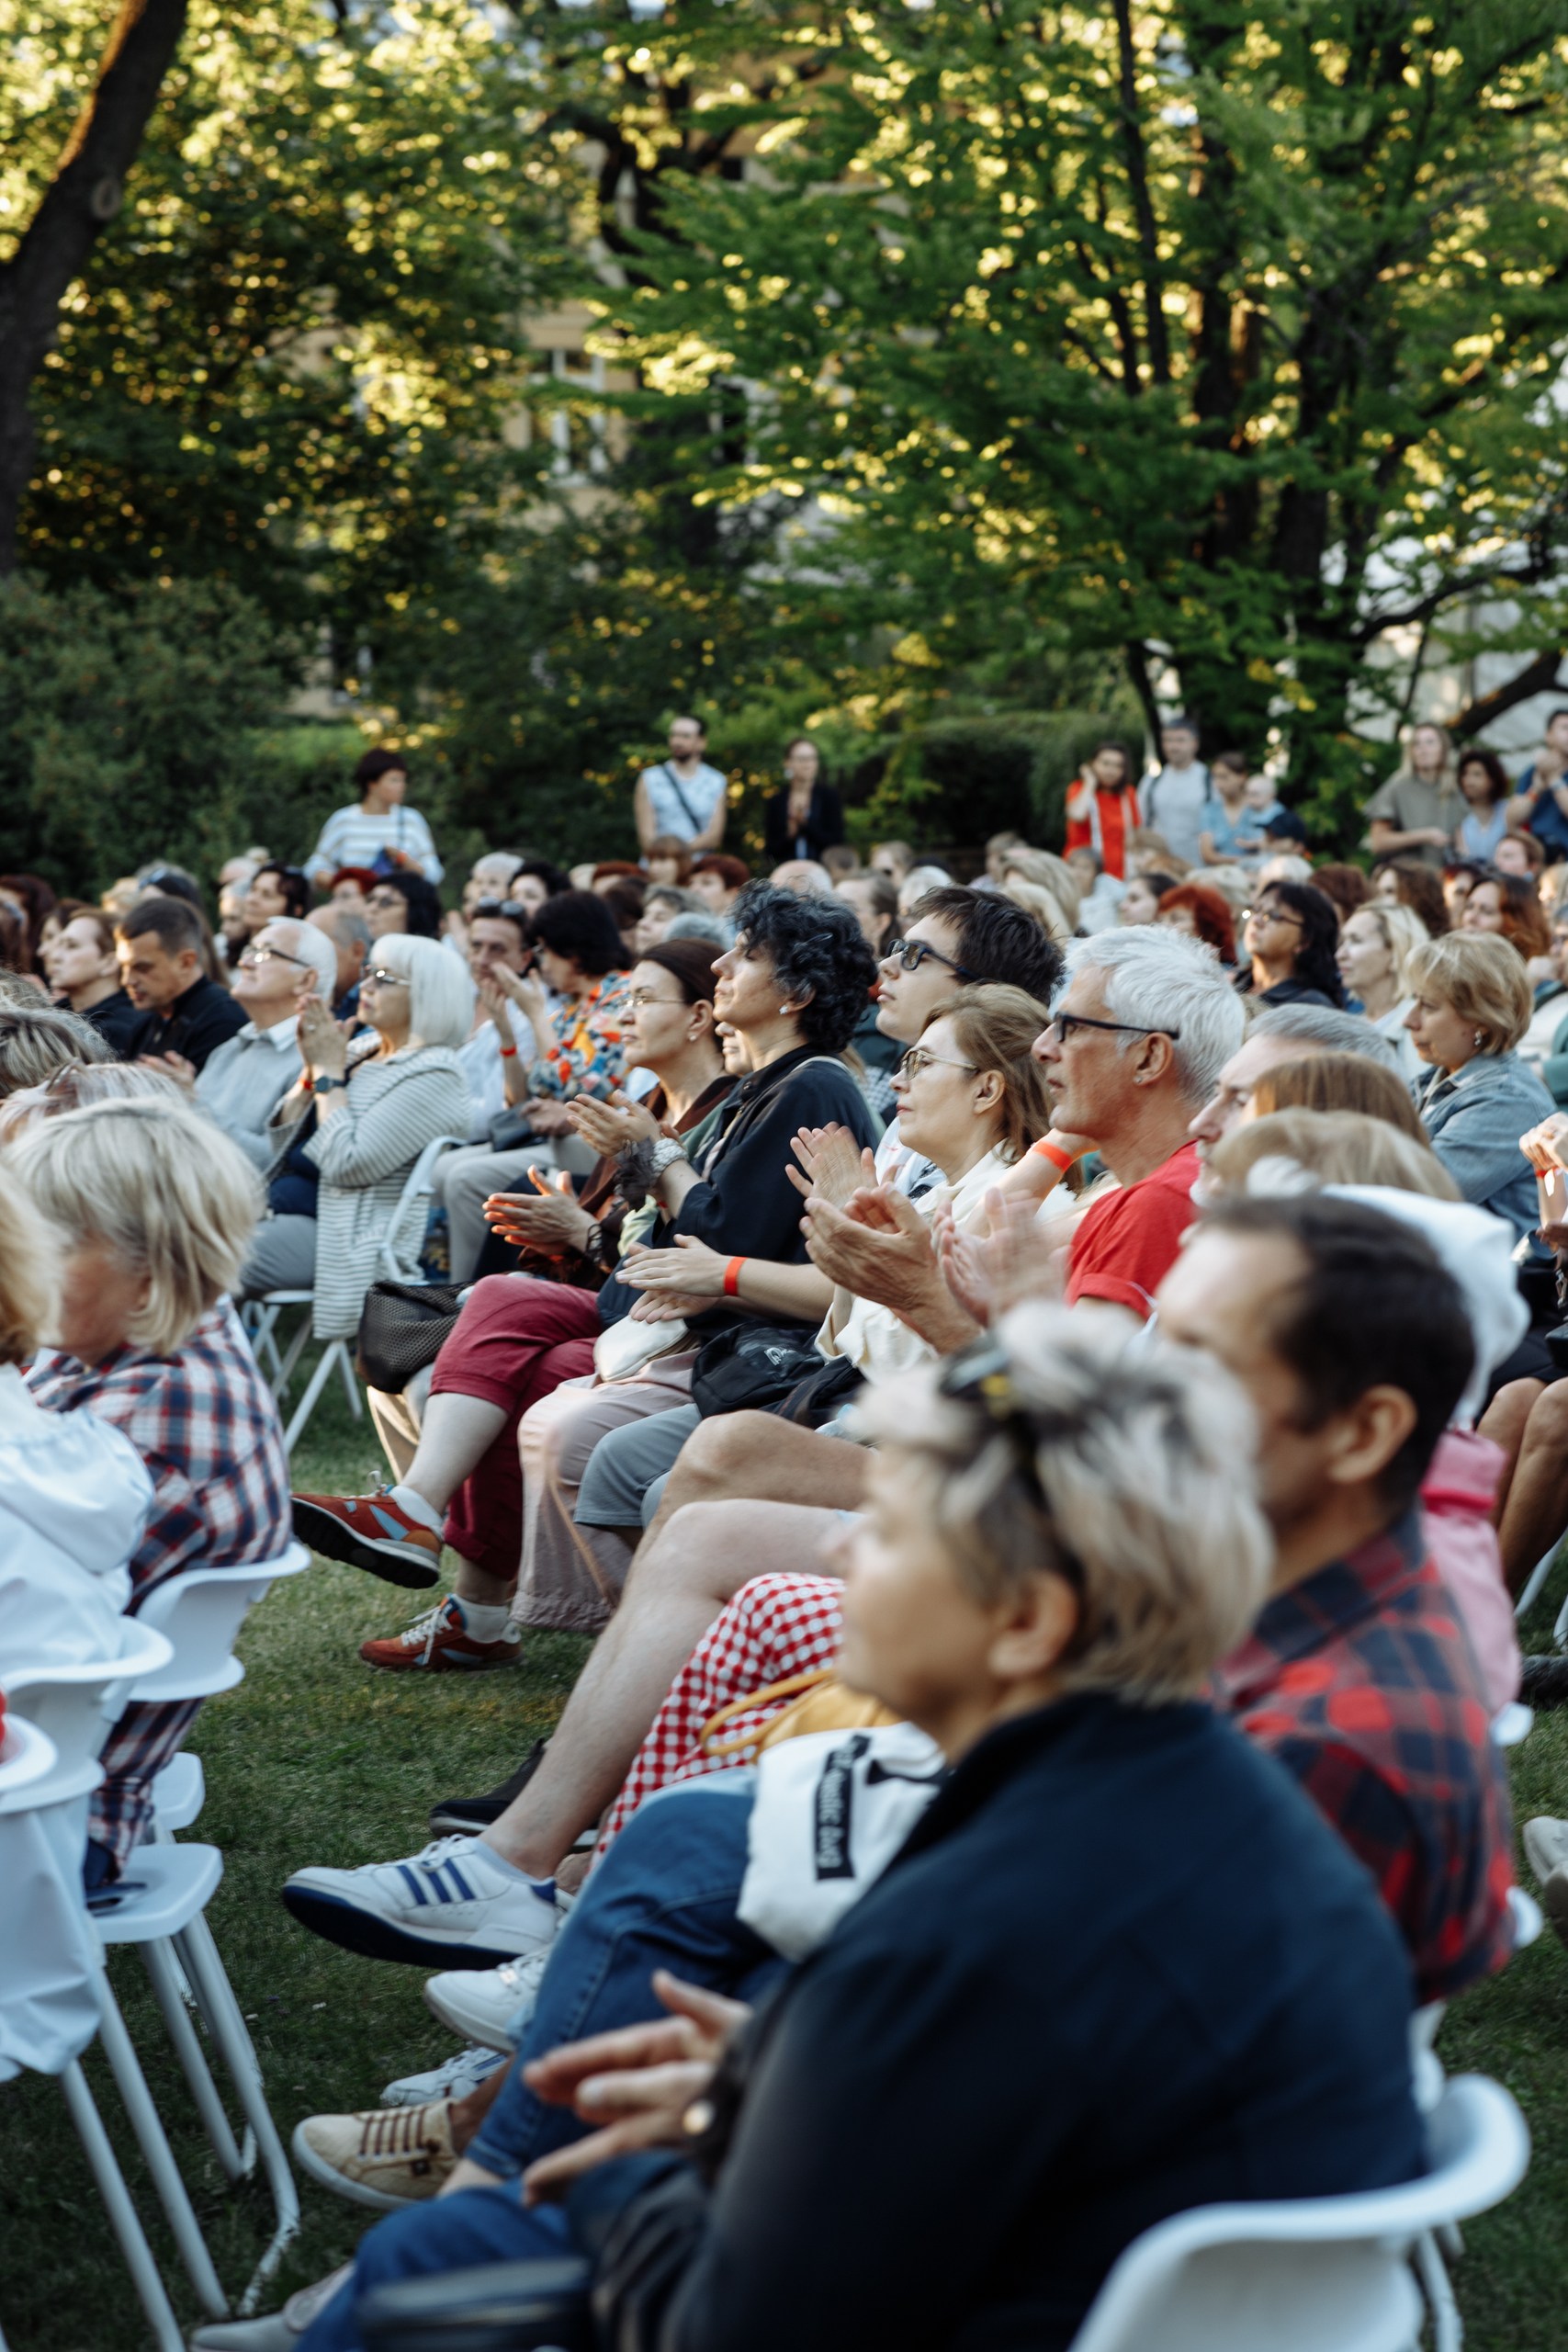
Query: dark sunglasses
[(512, 910), (912, 953)]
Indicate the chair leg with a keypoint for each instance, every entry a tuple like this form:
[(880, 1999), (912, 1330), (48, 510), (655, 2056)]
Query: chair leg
[(1538, 1577), (123, 2213), (151, 2138), (228, 2027), (161, 1967), (1448, 2328), (306, 1405), (352, 1385)]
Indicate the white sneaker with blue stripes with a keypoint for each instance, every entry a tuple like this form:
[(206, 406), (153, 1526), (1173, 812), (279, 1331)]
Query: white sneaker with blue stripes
[(456, 1902)]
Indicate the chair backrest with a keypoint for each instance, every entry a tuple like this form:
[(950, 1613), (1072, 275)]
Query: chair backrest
[(78, 1705), (420, 1183), (1322, 2274), (26, 1757), (201, 1612)]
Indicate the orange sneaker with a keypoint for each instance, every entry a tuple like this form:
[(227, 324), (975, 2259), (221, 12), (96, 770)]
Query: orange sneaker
[(370, 1532), (439, 1642)]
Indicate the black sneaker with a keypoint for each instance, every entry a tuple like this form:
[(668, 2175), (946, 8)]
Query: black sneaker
[(1544, 1683), (470, 1814)]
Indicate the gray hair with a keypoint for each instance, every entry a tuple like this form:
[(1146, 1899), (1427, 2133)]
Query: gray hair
[(162, 1188), (441, 993), (37, 1039), (312, 947), (1330, 1031), (698, 924), (1159, 978), (1120, 1467)]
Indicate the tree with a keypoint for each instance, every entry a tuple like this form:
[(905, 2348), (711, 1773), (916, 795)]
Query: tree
[(1225, 337)]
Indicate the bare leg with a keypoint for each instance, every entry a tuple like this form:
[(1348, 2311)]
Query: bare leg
[(1536, 1512), (455, 1436), (1504, 1422), (677, 1586), (735, 1455)]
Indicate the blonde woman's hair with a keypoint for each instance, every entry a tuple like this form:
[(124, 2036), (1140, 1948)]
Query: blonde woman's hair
[(1052, 873), (78, 1085), (1301, 1151), (1338, 1083), (995, 1027), (165, 1190), (441, 992), (1043, 904), (1481, 977), (29, 1272), (1122, 1468), (1403, 933)]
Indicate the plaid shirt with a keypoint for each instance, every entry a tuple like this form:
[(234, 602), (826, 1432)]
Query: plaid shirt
[(205, 1423), (1361, 1680)]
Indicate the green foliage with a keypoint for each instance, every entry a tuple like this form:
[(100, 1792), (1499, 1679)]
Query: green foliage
[(956, 780), (125, 725)]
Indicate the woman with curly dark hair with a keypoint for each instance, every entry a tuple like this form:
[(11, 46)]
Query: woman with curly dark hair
[(1202, 914), (1290, 937)]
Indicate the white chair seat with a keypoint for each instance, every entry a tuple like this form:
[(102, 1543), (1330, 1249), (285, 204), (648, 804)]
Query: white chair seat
[(1511, 1724), (178, 1793), (168, 1887)]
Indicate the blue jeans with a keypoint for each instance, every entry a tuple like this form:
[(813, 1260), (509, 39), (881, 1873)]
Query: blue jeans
[(664, 1896)]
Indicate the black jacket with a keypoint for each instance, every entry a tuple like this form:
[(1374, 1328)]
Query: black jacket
[(195, 1024), (116, 1020), (823, 829), (1121, 1968)]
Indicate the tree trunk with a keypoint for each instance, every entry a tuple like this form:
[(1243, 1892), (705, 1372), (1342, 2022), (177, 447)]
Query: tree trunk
[(80, 201)]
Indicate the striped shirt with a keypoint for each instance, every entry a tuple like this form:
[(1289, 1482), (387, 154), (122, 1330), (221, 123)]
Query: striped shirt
[(355, 836)]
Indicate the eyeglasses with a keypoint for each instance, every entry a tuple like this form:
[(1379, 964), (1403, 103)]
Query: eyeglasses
[(386, 899), (912, 953), (251, 957), (512, 910), (1062, 1024), (385, 979), (1271, 914), (982, 1375), (911, 1064)]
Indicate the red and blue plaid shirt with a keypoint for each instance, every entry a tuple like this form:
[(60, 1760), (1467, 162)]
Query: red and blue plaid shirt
[(1361, 1680), (205, 1423)]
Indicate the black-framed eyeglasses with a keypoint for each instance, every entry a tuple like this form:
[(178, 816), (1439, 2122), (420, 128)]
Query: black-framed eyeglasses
[(252, 957), (1062, 1024), (911, 1064), (981, 1374), (385, 897), (912, 953), (1272, 913)]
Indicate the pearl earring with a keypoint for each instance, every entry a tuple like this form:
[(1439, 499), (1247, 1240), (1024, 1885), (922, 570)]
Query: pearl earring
[(1479, 1039)]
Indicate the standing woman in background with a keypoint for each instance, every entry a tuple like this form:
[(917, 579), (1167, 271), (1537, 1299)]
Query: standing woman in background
[(807, 816), (1102, 808)]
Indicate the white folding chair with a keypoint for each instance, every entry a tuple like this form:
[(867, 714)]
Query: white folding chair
[(338, 1354), (1327, 2274), (52, 1995), (1538, 1577)]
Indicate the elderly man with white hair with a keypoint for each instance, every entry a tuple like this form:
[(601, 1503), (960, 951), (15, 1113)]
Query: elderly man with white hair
[(247, 1078)]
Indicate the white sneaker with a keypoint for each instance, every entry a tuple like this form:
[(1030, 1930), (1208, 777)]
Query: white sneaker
[(282, 2330), (454, 1903), (462, 2072), (490, 2005)]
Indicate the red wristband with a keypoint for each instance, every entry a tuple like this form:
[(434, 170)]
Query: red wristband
[(508, 1053), (308, 1083), (1047, 1149), (732, 1277)]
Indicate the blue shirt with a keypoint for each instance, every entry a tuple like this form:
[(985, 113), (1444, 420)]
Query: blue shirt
[(1548, 822)]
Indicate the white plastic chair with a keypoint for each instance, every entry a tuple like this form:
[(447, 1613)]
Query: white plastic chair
[(1327, 2274), (51, 1988), (337, 1355)]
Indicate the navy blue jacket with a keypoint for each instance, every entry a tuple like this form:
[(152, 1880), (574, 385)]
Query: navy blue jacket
[(1122, 1968)]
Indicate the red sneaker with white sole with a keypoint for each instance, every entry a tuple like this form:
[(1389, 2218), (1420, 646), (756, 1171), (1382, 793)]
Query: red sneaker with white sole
[(370, 1532), (439, 1642)]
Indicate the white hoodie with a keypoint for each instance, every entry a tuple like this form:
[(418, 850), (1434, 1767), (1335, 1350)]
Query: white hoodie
[(74, 1496)]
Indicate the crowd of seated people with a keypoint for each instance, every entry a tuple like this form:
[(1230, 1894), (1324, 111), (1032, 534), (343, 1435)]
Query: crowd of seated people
[(1094, 1342)]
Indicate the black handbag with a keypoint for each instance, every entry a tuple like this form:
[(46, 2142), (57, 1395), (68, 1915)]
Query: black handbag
[(750, 1367), (402, 1328)]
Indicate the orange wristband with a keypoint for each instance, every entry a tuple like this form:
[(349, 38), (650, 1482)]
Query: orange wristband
[(1054, 1153), (732, 1277)]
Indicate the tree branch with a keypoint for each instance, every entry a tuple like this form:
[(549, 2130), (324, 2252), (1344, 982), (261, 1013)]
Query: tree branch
[(81, 198), (1143, 204), (1537, 677)]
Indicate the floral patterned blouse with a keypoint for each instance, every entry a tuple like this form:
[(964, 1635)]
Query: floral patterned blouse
[(587, 1049)]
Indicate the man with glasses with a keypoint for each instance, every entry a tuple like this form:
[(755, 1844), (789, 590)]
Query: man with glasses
[(247, 1078)]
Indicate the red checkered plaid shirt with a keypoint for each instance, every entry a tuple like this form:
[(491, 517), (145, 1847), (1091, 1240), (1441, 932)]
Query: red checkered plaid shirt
[(205, 1423), (1362, 1681)]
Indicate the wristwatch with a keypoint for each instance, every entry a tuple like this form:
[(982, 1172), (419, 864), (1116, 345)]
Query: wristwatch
[(325, 1085)]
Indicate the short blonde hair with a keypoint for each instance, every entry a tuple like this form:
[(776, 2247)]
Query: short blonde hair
[(29, 1272), (1481, 978), (1403, 933), (1298, 1150), (1043, 904), (37, 1039), (162, 1188), (1054, 1445), (79, 1084), (1044, 868), (441, 989)]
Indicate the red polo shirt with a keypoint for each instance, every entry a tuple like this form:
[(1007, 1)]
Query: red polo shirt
[(1127, 1242)]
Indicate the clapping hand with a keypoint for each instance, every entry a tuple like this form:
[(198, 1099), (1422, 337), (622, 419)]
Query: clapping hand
[(1015, 1259), (548, 1220), (689, 1270), (644, 2085), (611, 1126), (322, 1047), (172, 1066), (832, 1164)]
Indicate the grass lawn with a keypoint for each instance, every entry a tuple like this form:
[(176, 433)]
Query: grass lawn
[(316, 1758)]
